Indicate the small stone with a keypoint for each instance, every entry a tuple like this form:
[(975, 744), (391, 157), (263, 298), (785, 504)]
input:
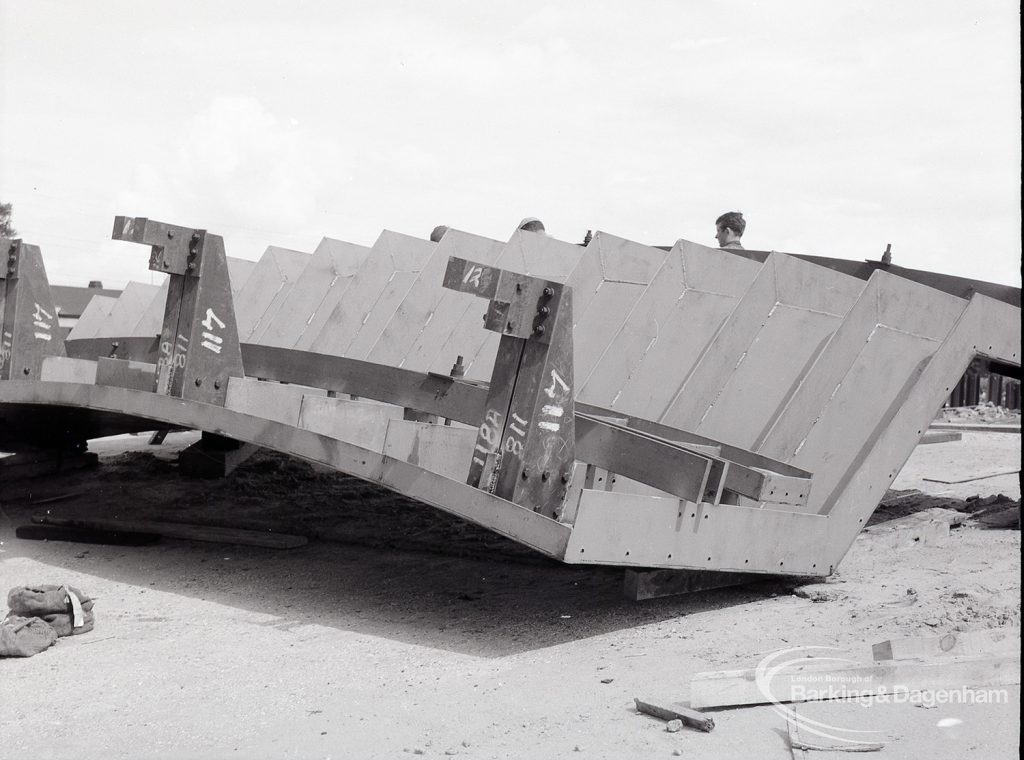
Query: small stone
[(607, 680), (577, 748), (674, 725), (933, 622), (465, 743), (676, 752), (417, 751)]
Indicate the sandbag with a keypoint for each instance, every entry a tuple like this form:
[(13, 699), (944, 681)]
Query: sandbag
[(25, 636), (62, 623), (46, 599)]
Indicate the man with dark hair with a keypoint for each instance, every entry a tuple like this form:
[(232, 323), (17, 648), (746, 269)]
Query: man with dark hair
[(729, 229)]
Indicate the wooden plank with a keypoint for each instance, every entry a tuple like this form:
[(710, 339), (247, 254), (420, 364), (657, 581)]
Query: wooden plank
[(953, 644), (964, 427), (816, 681), (972, 478), (688, 716), (390, 268), (668, 328), (188, 532), (267, 286), (317, 290), (419, 306), (939, 436)]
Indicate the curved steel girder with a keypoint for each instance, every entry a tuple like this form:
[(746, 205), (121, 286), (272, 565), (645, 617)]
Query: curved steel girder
[(518, 523)]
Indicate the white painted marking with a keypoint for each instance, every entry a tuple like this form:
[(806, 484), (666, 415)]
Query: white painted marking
[(552, 411), (554, 427)]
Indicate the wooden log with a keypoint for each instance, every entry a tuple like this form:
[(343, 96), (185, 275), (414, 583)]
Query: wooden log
[(987, 642), (939, 436), (675, 711), (188, 532)]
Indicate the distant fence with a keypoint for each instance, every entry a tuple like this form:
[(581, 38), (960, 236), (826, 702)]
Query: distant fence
[(979, 386)]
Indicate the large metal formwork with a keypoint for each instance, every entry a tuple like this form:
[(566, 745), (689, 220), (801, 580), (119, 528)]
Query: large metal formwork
[(691, 409)]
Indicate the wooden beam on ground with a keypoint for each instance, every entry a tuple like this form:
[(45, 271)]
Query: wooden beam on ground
[(818, 681), (972, 478), (939, 436), (691, 718), (33, 464), (988, 642), (653, 584), (994, 428), (185, 531)]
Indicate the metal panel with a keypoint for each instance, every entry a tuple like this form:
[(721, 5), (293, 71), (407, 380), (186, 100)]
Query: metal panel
[(364, 423), (273, 401), (267, 287), (772, 336), (668, 329), (131, 305), (987, 327), (93, 315), (527, 252), (316, 292), (29, 324), (390, 343), (390, 268), (648, 531), (438, 448)]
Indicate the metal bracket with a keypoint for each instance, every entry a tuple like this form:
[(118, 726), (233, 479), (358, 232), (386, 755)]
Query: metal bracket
[(29, 326), (525, 448), (199, 348)]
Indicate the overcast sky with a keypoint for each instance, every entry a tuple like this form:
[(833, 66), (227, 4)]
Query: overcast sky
[(836, 127)]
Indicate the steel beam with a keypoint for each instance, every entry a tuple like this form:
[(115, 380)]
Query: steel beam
[(29, 328)]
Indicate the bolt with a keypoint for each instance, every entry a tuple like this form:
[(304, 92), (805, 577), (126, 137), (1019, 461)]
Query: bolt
[(199, 381), (519, 287), (27, 371), (216, 384), (170, 233), (526, 473), (195, 237), (191, 266), (565, 477), (509, 326), (539, 329), (549, 292), (544, 310), (545, 475)]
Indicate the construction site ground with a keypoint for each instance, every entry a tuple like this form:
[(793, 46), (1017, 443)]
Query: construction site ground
[(399, 631)]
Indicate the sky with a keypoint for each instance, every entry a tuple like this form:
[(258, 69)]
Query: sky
[(836, 128)]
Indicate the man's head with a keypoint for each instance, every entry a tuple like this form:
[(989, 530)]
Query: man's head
[(729, 228), (532, 224)]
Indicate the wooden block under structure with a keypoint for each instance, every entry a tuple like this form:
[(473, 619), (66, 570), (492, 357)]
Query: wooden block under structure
[(654, 584), (992, 641), (213, 456), (822, 681)]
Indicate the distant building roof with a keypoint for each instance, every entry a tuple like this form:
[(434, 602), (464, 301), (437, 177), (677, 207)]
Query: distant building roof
[(71, 301)]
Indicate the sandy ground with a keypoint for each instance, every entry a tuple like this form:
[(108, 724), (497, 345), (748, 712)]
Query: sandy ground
[(398, 631)]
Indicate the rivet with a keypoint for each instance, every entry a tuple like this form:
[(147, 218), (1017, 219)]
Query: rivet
[(526, 473), (170, 233), (199, 381), (191, 266), (545, 475), (195, 237), (509, 326), (27, 371)]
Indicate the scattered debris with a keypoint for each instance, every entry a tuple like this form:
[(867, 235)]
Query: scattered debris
[(674, 726), (819, 592)]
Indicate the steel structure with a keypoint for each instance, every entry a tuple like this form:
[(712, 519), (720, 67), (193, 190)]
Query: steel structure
[(689, 409)]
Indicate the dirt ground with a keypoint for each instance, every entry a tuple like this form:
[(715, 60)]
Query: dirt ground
[(398, 631)]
